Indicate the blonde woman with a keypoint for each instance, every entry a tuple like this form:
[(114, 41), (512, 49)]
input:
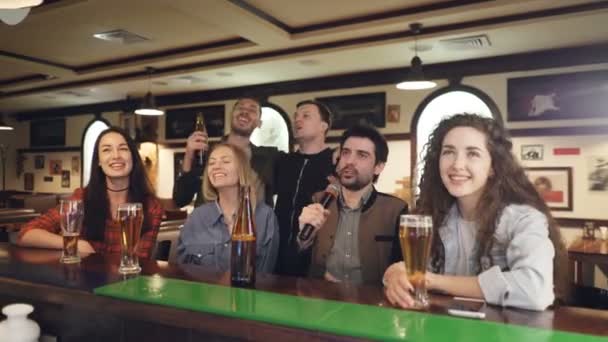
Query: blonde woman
[(205, 238)]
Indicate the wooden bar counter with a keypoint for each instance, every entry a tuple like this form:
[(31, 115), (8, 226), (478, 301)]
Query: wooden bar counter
[(66, 306)]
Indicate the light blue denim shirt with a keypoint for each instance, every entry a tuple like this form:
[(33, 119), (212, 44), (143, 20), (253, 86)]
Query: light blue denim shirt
[(204, 240), (520, 272)]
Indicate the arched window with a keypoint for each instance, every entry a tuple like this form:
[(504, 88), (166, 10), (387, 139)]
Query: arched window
[(275, 130), (91, 132), (439, 105)]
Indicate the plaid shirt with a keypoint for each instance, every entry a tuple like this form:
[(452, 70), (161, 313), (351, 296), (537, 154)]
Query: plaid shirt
[(50, 221)]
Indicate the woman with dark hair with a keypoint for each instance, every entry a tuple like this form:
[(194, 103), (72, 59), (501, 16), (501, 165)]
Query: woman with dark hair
[(117, 176), (493, 236)]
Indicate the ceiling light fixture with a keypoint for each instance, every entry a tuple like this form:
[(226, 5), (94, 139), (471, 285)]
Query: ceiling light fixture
[(15, 4), (12, 12), (148, 104), (415, 79), (4, 126)]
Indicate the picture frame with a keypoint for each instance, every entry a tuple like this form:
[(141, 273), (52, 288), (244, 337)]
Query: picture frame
[(75, 165), (532, 152), (598, 174), (349, 110), (554, 184), (45, 133), (28, 181), (570, 96), (65, 178), (55, 167), (39, 162), (393, 113), (179, 122)]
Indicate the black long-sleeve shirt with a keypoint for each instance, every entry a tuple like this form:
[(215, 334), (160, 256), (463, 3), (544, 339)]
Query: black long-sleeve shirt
[(299, 176)]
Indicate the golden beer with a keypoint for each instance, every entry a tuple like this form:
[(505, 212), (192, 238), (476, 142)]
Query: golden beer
[(70, 248), (131, 217), (415, 236), (71, 214)]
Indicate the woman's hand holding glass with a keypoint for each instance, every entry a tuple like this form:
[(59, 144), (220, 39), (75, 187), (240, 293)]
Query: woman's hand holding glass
[(398, 288), (85, 247)]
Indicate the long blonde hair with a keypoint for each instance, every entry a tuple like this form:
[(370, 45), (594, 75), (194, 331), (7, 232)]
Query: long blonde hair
[(246, 175)]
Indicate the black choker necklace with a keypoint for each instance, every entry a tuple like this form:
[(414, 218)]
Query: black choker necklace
[(119, 190)]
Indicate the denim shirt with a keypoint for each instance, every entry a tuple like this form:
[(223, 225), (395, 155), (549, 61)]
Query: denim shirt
[(205, 240), (519, 269)]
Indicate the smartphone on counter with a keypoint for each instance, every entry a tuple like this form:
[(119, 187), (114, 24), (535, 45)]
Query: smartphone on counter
[(466, 308)]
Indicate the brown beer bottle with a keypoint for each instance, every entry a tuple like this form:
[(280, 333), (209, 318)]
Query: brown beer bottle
[(242, 258), (200, 126)]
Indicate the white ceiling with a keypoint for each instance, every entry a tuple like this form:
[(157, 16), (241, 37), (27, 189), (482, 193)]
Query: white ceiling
[(230, 43)]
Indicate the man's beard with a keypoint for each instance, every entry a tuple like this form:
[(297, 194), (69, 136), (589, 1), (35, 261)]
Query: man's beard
[(356, 184), (243, 132)]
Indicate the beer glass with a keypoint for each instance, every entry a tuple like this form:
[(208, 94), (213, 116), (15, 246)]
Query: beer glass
[(71, 213), (130, 216), (415, 234)]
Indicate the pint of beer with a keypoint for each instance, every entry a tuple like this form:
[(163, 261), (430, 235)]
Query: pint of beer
[(415, 234), (71, 213), (131, 217)]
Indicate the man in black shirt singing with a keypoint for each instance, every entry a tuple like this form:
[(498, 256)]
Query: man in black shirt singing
[(300, 174)]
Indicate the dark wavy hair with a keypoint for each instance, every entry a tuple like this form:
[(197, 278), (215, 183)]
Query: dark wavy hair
[(96, 201), (508, 185)]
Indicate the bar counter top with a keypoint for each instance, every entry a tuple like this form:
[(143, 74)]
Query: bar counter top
[(170, 302)]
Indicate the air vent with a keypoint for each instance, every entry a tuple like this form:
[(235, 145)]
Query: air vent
[(467, 43), (121, 37), (72, 93), (189, 79)]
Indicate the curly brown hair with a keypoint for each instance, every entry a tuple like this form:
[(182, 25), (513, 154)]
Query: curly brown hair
[(508, 185)]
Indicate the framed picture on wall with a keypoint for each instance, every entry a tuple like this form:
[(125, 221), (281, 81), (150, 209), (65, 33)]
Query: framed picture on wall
[(531, 152), (55, 167), (554, 184), (65, 178), (39, 162), (47, 133), (598, 173), (393, 113), (557, 97), (28, 181), (179, 122), (349, 110), (75, 165)]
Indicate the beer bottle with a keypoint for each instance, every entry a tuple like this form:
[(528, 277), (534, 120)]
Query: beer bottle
[(200, 126), (242, 258)]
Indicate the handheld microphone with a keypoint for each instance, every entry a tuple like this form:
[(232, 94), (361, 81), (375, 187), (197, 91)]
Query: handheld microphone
[(331, 192)]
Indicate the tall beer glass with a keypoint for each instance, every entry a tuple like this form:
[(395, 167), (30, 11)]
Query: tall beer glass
[(415, 234), (130, 216), (71, 214)]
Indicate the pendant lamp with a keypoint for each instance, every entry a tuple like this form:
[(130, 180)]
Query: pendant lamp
[(415, 79), (148, 104)]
